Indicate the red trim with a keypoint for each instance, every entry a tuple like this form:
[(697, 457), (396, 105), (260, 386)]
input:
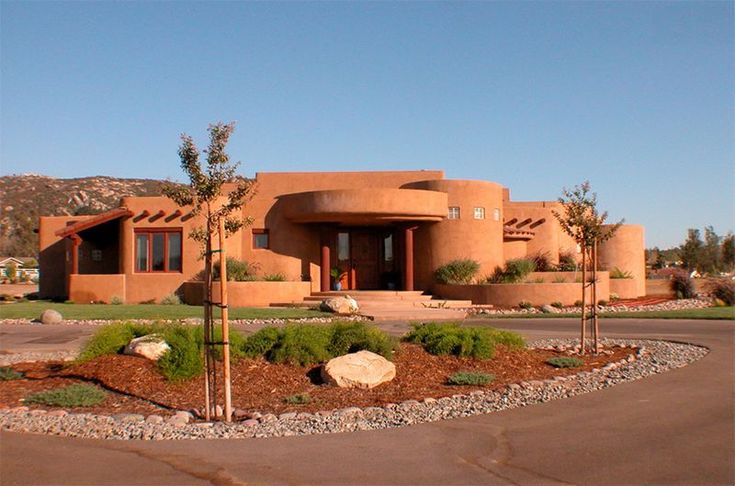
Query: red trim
[(94, 221)]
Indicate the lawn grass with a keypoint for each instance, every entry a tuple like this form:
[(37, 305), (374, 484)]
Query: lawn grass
[(32, 310), (706, 313)]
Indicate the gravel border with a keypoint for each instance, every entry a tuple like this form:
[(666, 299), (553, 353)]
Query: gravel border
[(190, 321), (652, 357)]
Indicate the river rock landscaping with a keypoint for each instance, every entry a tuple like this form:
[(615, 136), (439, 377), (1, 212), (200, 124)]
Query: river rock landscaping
[(140, 403)]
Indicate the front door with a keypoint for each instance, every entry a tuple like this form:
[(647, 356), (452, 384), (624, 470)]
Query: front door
[(365, 253)]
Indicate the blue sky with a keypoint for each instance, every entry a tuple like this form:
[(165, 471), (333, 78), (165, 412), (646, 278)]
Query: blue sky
[(637, 97)]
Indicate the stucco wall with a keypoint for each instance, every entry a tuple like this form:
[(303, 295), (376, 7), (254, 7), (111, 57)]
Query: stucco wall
[(510, 295), (248, 294), (86, 289), (625, 288), (466, 237), (625, 250)]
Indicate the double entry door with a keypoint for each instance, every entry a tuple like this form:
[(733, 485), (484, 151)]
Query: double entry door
[(366, 256)]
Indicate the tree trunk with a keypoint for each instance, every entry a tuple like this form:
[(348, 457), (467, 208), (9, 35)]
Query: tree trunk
[(584, 299), (207, 323), (225, 324), (595, 321)]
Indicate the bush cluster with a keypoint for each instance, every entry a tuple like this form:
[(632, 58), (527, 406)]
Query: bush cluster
[(77, 395), (300, 399), (722, 289), (306, 344), (7, 373), (682, 285), (470, 378), (237, 270), (452, 339), (457, 272), (515, 271), (617, 273), (565, 362)]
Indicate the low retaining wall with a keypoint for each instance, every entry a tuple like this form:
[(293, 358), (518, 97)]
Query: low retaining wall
[(85, 289), (510, 295), (250, 294), (662, 286), (625, 288)]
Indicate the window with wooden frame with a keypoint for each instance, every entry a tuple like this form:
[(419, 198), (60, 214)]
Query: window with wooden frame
[(453, 212), (158, 250), (261, 239)]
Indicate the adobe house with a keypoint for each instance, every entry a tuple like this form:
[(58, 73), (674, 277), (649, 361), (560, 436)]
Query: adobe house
[(381, 230)]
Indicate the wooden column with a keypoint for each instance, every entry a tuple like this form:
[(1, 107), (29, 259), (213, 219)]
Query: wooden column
[(325, 265), (76, 241), (408, 258)]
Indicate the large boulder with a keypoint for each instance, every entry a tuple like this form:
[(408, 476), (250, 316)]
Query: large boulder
[(363, 369), (152, 347), (340, 305), (50, 316), (549, 309)]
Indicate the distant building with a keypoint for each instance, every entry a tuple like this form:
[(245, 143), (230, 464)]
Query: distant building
[(377, 230), (26, 268)]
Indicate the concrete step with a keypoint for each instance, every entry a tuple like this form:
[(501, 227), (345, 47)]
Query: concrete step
[(415, 315), (373, 298)]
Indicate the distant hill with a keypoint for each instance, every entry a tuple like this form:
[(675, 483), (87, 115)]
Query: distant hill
[(24, 197)]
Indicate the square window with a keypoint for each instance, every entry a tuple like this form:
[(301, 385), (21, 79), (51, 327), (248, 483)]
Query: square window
[(479, 213), (157, 250), (96, 255), (453, 212), (261, 239)]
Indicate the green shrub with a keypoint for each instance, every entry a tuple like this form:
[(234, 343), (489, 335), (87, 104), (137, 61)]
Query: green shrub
[(237, 271), (115, 300), (542, 262), (77, 395), (302, 345), (722, 289), (682, 285), (451, 339), (559, 279), (618, 273), (261, 343), (300, 399), (509, 339), (457, 272), (112, 338), (7, 373), (567, 262), (614, 296), (578, 303), (602, 302), (557, 304), (171, 299), (524, 304), (565, 362), (185, 358), (274, 277), (350, 337), (306, 344), (515, 271), (470, 378)]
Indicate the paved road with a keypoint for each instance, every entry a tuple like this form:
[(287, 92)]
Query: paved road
[(676, 427)]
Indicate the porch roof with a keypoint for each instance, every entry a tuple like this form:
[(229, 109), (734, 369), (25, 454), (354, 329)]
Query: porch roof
[(96, 220)]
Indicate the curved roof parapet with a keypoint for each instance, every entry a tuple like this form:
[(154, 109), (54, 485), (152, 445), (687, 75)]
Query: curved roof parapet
[(364, 206)]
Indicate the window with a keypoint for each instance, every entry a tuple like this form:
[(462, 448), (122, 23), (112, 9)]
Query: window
[(158, 250), (343, 247), (496, 214), (96, 255), (260, 239), (479, 213), (453, 212)]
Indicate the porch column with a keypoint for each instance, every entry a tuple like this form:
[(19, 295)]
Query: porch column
[(325, 270), (76, 241), (408, 259)]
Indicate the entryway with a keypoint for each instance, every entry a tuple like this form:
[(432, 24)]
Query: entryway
[(364, 258)]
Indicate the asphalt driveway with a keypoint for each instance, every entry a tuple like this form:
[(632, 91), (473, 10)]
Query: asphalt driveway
[(677, 427)]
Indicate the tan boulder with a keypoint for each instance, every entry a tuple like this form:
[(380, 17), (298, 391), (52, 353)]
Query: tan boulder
[(363, 369), (150, 347), (340, 305)]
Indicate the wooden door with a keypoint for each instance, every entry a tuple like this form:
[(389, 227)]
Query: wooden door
[(365, 259)]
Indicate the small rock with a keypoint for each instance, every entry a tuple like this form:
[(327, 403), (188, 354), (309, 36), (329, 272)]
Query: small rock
[(287, 416), (51, 316), (249, 422), (154, 419), (218, 412), (58, 413)]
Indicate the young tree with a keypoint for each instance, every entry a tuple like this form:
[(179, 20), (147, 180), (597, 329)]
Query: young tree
[(581, 220), (691, 251), (11, 272), (711, 261), (222, 215), (728, 252)]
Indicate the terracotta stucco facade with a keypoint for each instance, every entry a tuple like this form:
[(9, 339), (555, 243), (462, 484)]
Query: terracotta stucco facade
[(379, 229)]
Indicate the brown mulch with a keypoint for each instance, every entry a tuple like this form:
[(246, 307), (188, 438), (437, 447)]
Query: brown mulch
[(258, 385)]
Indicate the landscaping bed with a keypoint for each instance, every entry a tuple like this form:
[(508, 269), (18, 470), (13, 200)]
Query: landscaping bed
[(136, 386)]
